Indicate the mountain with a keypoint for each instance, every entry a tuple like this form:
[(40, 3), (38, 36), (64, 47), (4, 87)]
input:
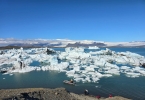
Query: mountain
[(78, 44), (10, 42)]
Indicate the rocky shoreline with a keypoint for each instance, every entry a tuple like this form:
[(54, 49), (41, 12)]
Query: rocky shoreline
[(47, 94)]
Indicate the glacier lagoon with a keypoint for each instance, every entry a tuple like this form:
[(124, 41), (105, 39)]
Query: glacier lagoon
[(119, 78)]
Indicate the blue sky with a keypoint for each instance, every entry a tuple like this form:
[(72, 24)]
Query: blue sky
[(100, 20)]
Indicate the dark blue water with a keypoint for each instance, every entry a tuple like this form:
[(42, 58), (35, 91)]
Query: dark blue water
[(133, 88), (140, 51)]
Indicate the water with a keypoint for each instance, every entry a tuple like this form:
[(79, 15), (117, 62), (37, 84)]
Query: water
[(133, 88)]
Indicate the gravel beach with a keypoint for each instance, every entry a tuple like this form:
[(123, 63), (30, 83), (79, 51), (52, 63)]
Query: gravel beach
[(47, 94)]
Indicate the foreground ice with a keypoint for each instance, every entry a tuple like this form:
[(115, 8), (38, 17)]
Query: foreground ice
[(78, 64)]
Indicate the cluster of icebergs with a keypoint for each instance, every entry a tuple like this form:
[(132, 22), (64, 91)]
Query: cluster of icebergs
[(82, 66)]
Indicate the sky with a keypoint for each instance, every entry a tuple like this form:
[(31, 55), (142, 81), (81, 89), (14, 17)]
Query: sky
[(100, 20)]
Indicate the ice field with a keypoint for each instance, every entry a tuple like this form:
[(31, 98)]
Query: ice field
[(78, 64)]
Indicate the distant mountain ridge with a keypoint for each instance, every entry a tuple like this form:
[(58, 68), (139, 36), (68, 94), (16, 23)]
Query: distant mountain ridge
[(66, 43), (78, 44)]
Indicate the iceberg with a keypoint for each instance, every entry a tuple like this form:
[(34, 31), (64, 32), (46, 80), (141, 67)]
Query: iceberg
[(93, 47), (75, 62)]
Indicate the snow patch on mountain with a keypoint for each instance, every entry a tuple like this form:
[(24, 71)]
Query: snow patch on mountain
[(65, 42)]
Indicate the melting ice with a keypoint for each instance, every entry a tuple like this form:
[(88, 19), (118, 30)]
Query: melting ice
[(82, 66)]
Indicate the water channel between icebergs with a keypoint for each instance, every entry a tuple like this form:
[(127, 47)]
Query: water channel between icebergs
[(127, 81)]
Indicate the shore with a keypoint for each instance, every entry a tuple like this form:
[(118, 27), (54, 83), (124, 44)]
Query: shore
[(48, 94)]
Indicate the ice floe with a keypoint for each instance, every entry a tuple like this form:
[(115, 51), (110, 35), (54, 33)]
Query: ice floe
[(93, 47), (75, 62)]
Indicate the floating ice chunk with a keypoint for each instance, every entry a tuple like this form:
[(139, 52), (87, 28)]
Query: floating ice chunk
[(111, 65), (84, 55), (100, 52), (108, 52), (77, 68), (79, 76), (121, 60), (68, 49), (95, 79), (84, 71), (70, 73), (53, 60), (53, 67), (91, 73), (142, 72), (96, 86), (37, 68), (87, 79), (94, 66), (139, 70), (73, 55), (93, 53), (105, 52), (106, 75), (130, 74), (25, 69), (124, 67), (89, 68), (125, 58), (106, 68), (93, 47), (79, 79), (113, 71), (44, 68), (63, 65), (76, 76), (127, 70), (96, 74), (101, 62), (11, 74), (63, 55), (132, 58)]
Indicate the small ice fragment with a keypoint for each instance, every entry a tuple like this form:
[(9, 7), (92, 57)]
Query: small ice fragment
[(11, 74), (96, 86)]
